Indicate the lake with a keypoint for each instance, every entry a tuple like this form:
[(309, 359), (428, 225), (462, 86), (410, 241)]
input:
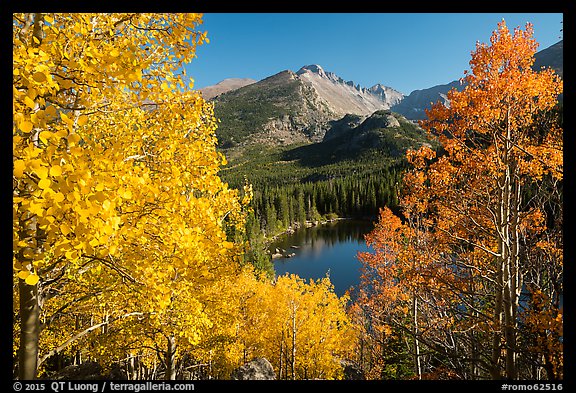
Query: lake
[(330, 247)]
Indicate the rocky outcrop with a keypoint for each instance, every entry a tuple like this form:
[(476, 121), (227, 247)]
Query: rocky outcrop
[(342, 126), (343, 97), (352, 371), (257, 369)]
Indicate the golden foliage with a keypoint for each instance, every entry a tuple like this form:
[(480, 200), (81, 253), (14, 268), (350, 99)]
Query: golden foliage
[(119, 216)]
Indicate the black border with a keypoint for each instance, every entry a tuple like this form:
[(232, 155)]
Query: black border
[(566, 7)]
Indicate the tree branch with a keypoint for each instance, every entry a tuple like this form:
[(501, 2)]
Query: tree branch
[(78, 336)]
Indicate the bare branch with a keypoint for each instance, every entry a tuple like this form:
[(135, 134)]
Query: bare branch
[(78, 336)]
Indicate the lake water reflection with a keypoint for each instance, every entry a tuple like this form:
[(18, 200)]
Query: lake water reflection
[(331, 247)]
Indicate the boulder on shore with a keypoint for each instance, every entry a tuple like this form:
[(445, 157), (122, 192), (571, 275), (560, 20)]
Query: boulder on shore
[(257, 369)]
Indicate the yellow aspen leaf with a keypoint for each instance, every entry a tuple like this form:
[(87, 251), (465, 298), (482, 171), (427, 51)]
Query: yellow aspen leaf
[(36, 208), (82, 120), (127, 194), (61, 133), (32, 279), (99, 187), (94, 209), (94, 242), (65, 229), (108, 229), (26, 126), (66, 119), (55, 170), (23, 274), (44, 183), (32, 93), (100, 196), (39, 77), (29, 102), (59, 197), (45, 136), (51, 110), (73, 139), (19, 167), (42, 172), (114, 52)]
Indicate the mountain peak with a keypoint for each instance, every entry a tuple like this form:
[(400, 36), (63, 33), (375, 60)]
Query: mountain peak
[(224, 86), (346, 96), (314, 68)]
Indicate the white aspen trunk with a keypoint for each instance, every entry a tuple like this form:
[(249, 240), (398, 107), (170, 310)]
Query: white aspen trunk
[(417, 365), (281, 355), (170, 359), (509, 259), (499, 287), (29, 307), (293, 341)]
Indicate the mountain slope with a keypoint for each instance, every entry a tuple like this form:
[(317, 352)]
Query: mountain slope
[(345, 97), (552, 57), (354, 145), (289, 107), (224, 86), (413, 105), (384, 135), (280, 109)]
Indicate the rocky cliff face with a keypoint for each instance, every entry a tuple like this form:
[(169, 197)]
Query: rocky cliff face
[(345, 97)]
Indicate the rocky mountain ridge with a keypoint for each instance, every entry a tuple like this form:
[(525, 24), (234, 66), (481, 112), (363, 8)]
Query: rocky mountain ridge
[(289, 107), (346, 97), (224, 86), (300, 107), (413, 106)]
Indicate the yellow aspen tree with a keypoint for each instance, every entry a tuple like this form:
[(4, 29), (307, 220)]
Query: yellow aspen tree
[(116, 195), (301, 327)]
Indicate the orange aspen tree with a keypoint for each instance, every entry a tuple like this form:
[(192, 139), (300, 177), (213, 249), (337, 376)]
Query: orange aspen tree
[(494, 146), (483, 236)]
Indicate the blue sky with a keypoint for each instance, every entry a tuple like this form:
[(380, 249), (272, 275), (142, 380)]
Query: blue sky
[(406, 51)]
